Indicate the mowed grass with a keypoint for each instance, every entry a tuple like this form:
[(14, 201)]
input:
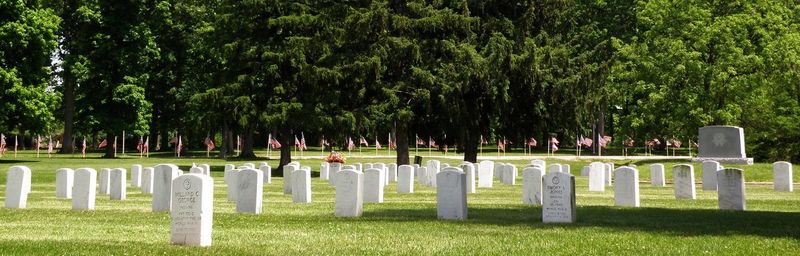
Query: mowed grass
[(498, 223)]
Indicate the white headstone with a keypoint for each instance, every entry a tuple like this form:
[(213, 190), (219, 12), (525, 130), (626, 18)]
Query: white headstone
[(18, 185), (250, 186), (485, 174), (683, 181), (196, 170), (301, 186), (626, 187), (136, 176), (539, 162), (597, 177), (657, 177), (147, 180), (359, 167), (451, 194), (231, 179), (104, 180), (373, 185), (566, 168), (405, 179), (250, 165), (118, 186), (509, 176), (206, 169), (499, 171), (287, 178), (229, 167), (609, 173), (64, 181), (730, 183), (554, 168), (710, 169), (782, 174), (585, 171), (392, 172), (349, 193), (192, 203), (434, 166), (267, 171), (385, 172), (334, 168), (323, 170), (558, 198), (422, 174), (162, 186), (83, 190), (532, 185), (469, 171)]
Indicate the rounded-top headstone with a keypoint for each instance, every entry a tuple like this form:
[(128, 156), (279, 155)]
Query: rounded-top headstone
[(192, 209), (18, 185), (782, 175)]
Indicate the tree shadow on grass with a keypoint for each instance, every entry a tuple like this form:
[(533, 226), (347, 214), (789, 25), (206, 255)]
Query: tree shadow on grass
[(680, 222), (15, 161)]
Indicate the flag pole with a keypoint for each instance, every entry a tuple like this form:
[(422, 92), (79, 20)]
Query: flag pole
[(123, 142), (416, 145), (429, 146), (376, 145)]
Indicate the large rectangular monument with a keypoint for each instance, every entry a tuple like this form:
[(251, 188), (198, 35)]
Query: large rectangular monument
[(721, 143)]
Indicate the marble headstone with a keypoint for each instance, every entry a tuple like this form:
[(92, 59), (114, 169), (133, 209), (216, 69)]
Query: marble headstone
[(332, 170), (373, 185), (405, 179), (434, 166), (192, 203), (301, 186), (683, 181), (250, 186), (136, 175), (451, 194), (554, 168), (287, 178), (104, 180), (782, 175), (469, 171), (83, 190), (626, 187), (657, 177), (710, 169), (609, 173), (267, 171), (162, 186), (731, 189), (585, 171), (196, 170), (532, 185), (64, 179), (206, 169), (558, 198), (509, 176), (485, 174), (597, 177), (349, 193), (147, 180), (118, 189), (231, 179), (18, 185), (392, 172), (323, 170)]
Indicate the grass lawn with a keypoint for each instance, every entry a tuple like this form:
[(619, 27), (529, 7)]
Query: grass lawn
[(497, 224)]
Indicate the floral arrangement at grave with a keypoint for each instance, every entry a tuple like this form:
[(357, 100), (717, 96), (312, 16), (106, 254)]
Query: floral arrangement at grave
[(335, 157)]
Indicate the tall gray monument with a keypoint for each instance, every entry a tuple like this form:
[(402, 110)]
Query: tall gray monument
[(724, 144)]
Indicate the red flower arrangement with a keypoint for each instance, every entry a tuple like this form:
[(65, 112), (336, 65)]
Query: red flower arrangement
[(335, 158)]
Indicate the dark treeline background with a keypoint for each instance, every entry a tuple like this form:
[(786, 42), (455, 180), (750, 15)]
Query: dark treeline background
[(453, 70)]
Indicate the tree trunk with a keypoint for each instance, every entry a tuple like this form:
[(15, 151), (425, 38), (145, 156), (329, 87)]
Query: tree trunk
[(22, 138), (599, 132), (471, 146), (286, 149), (247, 143), (402, 143), (69, 109), (109, 145), (225, 148)]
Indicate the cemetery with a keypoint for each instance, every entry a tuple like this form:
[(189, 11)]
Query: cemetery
[(399, 127)]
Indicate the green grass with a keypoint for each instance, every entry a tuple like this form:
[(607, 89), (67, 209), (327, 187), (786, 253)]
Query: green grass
[(405, 224)]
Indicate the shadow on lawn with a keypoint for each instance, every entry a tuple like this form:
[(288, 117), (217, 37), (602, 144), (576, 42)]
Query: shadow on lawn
[(681, 222), (14, 161)]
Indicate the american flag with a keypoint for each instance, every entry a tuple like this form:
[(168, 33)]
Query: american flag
[(2, 144), (629, 143), (392, 143), (350, 144), (532, 142), (180, 145), (553, 144), (303, 141), (501, 144), (146, 146), (363, 141), (50, 145), (377, 144), (173, 140), (484, 141), (420, 142), (209, 144), (432, 143), (38, 142), (296, 142), (115, 144), (140, 144), (275, 144), (83, 147), (605, 140), (103, 143)]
